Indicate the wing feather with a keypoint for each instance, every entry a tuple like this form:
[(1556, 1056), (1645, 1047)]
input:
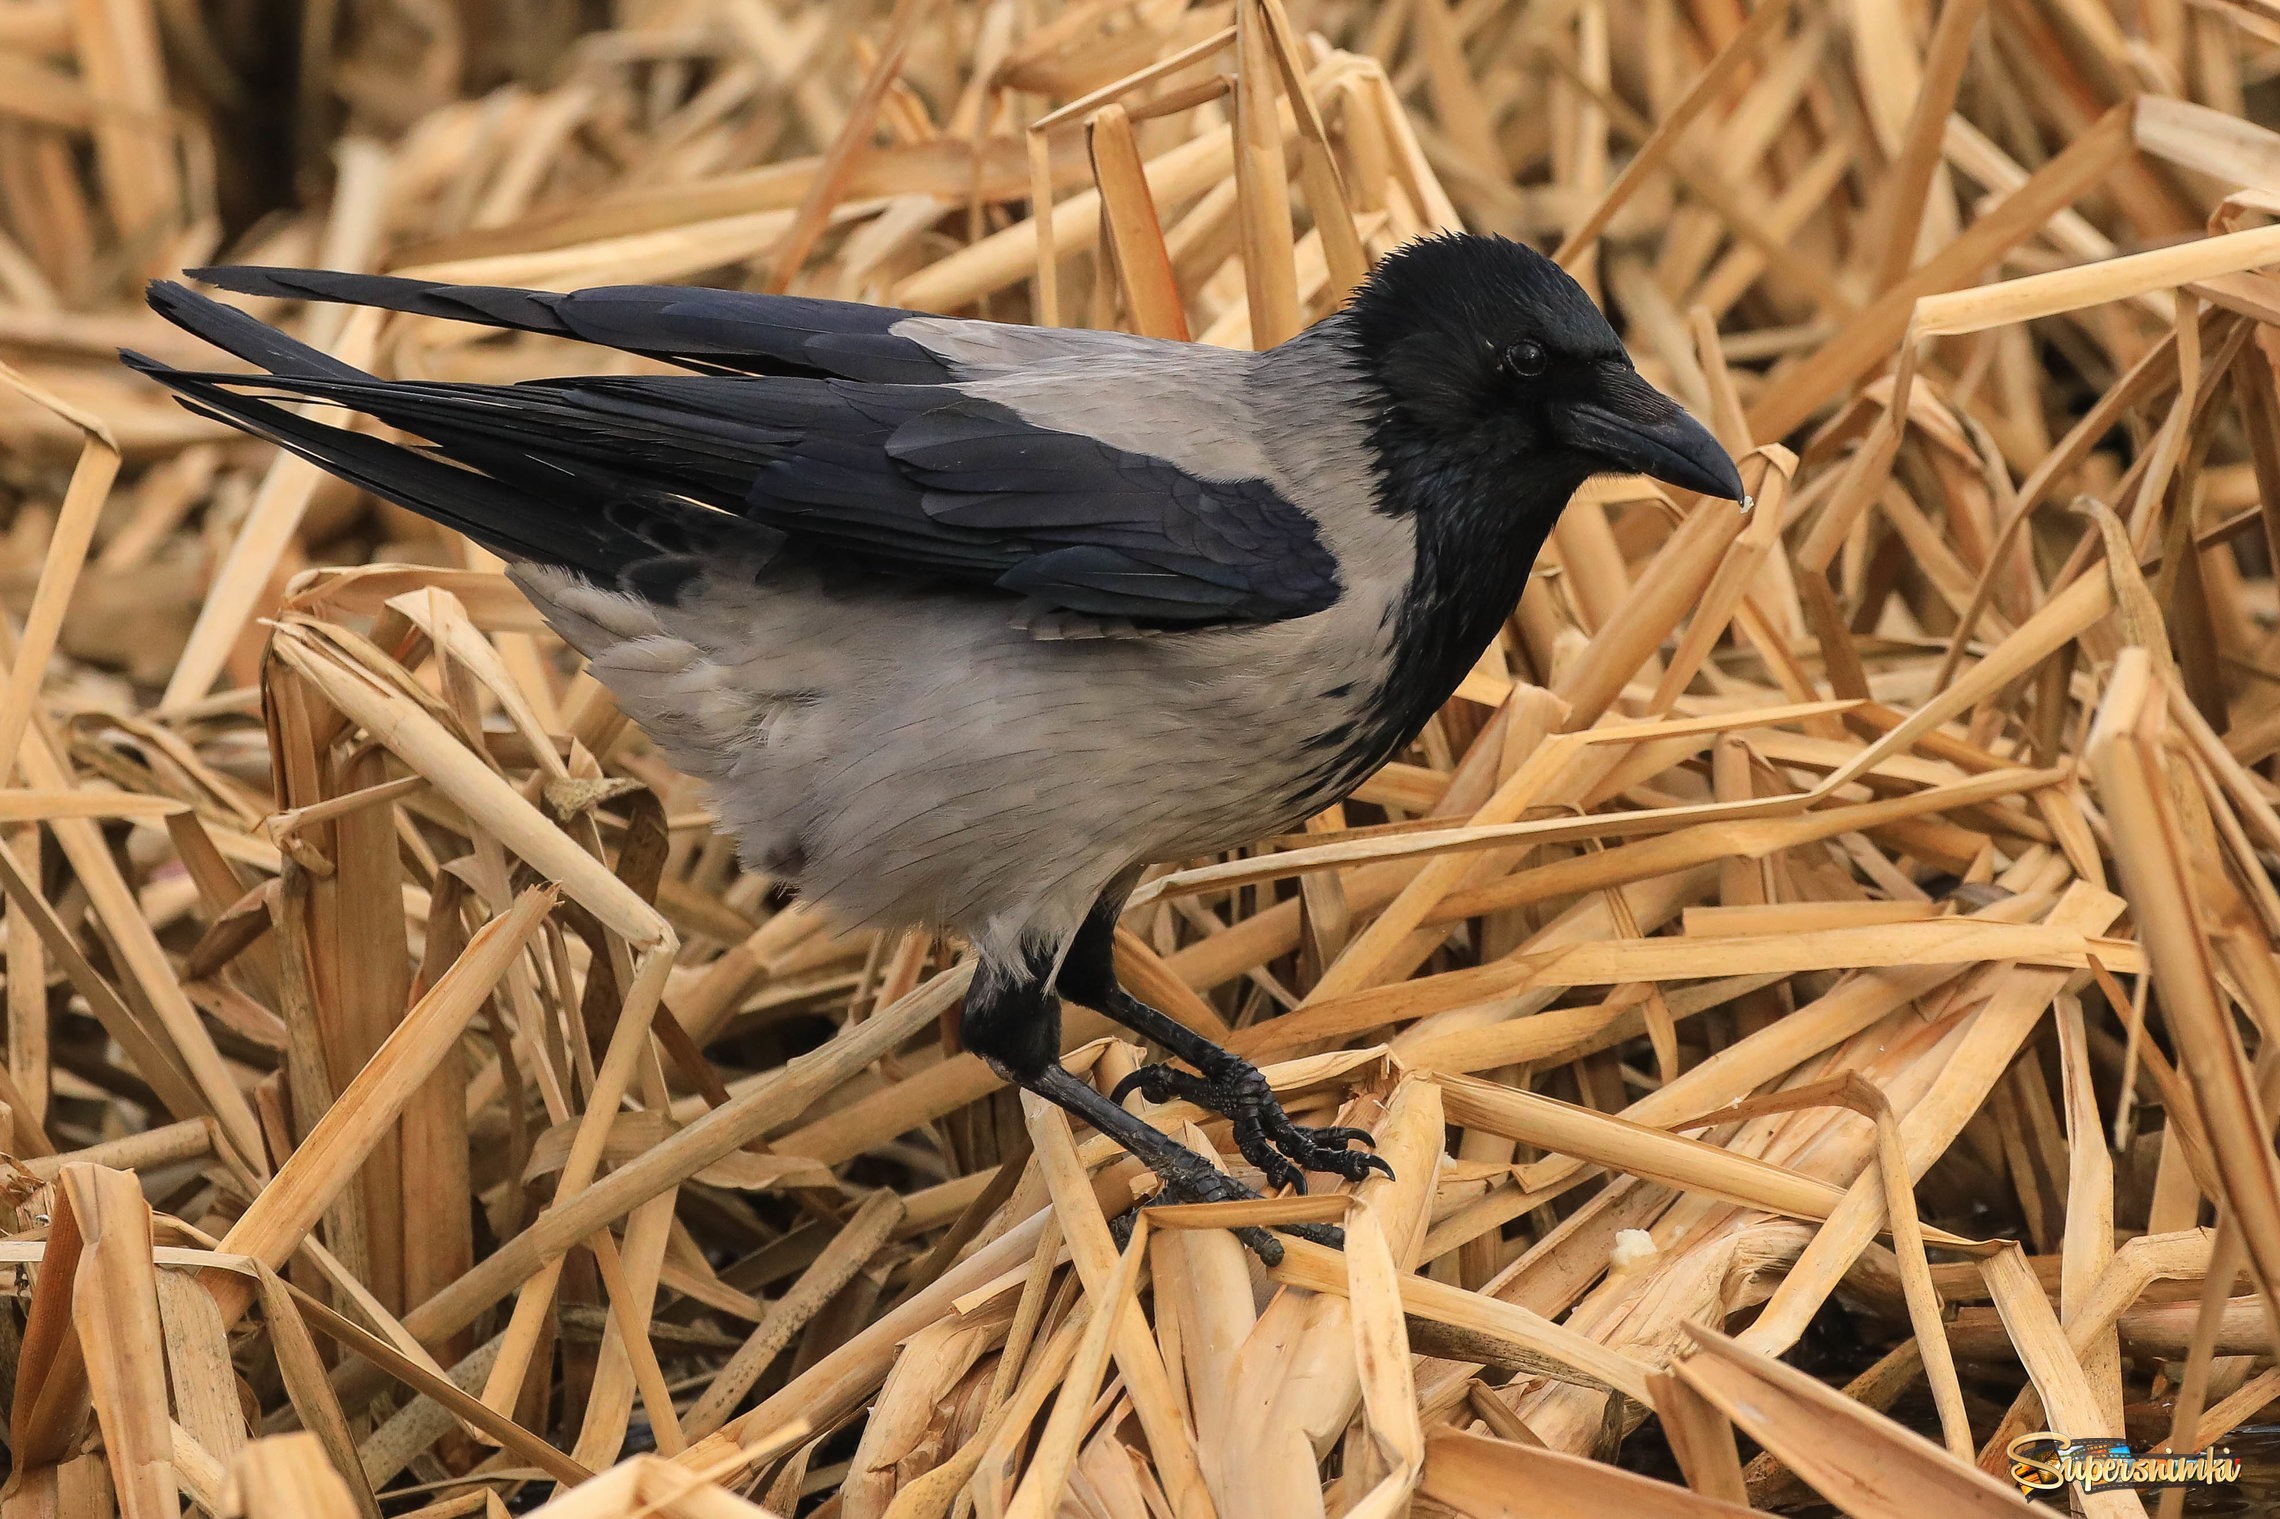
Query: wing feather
[(909, 479)]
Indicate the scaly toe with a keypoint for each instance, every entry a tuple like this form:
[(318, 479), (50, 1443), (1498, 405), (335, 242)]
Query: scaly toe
[(1203, 1183), (1158, 1083), (1251, 1139), (1326, 1150)]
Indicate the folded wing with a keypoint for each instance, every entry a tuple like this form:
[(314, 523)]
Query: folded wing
[(910, 479)]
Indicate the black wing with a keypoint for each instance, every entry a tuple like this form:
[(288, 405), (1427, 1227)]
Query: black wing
[(904, 479), (707, 329)]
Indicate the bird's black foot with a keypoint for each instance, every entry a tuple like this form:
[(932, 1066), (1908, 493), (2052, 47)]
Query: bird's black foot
[(1013, 1020), (1233, 1088), (1228, 1084), (1187, 1177)]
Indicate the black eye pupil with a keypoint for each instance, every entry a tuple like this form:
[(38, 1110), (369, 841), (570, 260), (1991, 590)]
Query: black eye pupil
[(1526, 358)]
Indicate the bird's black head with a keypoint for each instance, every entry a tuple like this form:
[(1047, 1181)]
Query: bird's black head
[(1495, 388), (1484, 350)]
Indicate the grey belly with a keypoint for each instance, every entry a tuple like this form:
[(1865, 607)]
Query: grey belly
[(913, 759)]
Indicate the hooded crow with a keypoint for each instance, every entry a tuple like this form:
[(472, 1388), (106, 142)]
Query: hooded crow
[(966, 624)]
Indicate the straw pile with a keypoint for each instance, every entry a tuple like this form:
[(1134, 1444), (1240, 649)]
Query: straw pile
[(1814, 983)]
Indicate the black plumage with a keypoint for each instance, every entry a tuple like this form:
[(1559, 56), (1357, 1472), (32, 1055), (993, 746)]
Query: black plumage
[(727, 329)]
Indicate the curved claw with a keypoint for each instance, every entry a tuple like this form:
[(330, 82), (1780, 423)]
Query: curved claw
[(1164, 1083), (1339, 1134), (1279, 1170), (1325, 1150), (1351, 1164), (1251, 1139)]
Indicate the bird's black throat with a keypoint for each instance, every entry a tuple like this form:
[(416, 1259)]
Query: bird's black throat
[(1480, 514), (1480, 517), (1469, 447)]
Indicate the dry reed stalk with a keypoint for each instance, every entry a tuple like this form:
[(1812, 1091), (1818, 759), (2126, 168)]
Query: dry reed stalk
[(1108, 1287), (1657, 914), (1494, 1479), (284, 1475), (114, 1308), (1866, 1464)]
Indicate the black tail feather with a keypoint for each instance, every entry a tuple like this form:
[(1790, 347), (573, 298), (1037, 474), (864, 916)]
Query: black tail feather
[(599, 521), (574, 442), (718, 331), (244, 336), (506, 521), (490, 305)]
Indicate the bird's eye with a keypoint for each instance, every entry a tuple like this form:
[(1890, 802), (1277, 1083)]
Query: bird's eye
[(1526, 357)]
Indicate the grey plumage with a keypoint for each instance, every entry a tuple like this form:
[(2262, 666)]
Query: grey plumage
[(915, 755), (964, 624)]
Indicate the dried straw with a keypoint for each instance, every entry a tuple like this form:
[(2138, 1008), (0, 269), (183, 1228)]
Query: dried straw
[(1856, 913)]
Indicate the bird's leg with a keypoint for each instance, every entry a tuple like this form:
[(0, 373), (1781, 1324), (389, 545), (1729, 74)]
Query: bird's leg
[(1014, 1023), (1187, 1176), (1224, 1083), (1232, 1087)]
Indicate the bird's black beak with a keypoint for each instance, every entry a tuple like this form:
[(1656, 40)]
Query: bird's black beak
[(1637, 429)]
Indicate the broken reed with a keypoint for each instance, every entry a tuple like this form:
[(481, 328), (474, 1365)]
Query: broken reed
[(490, 1123)]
